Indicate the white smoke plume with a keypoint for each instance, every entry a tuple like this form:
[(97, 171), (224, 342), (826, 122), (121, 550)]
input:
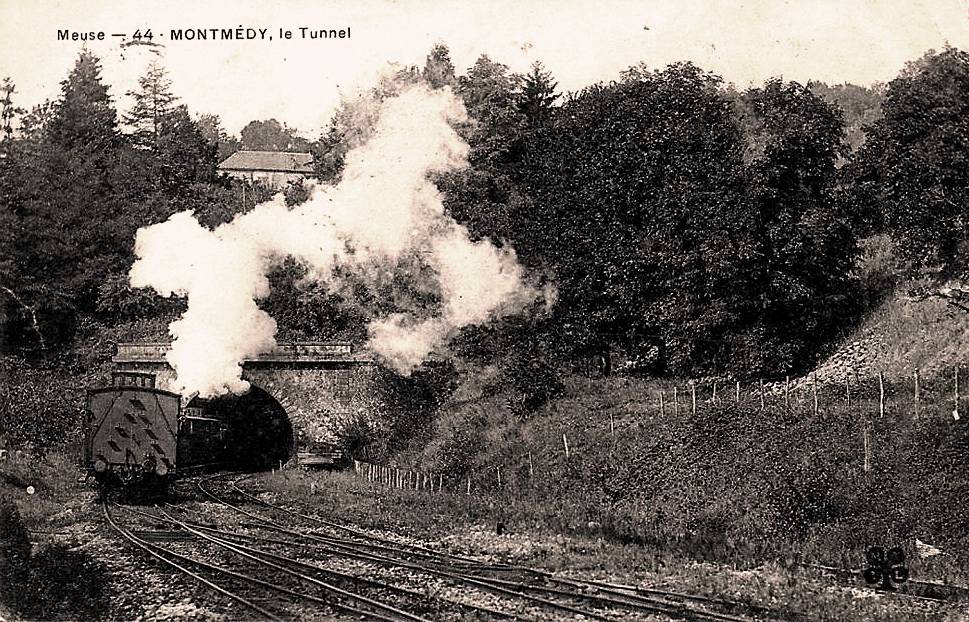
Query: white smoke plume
[(384, 210)]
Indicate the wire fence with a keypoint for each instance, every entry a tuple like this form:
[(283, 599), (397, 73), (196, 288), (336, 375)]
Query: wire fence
[(897, 401)]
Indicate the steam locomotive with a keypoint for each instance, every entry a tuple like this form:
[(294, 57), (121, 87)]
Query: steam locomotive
[(137, 434), (141, 437)]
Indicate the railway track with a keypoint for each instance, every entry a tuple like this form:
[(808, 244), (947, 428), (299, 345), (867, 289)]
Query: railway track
[(913, 588), (538, 591), (279, 563), (289, 584)]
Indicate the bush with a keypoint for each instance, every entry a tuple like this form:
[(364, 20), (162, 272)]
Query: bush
[(14, 547), (54, 584), (360, 437), (35, 410), (457, 443), (534, 379), (411, 402), (118, 301)]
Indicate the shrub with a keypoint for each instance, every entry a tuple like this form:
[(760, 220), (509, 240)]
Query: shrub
[(35, 410), (534, 379), (411, 402), (65, 585), (459, 440), (118, 301), (54, 584), (360, 437), (14, 548)]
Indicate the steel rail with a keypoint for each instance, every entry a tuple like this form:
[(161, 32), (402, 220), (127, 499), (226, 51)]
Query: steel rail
[(334, 573), (641, 603), (637, 601), (643, 594), (326, 586), (148, 548), (402, 563), (353, 530), (259, 582)]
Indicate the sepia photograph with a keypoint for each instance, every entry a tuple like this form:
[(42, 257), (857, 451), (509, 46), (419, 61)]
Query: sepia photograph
[(641, 310)]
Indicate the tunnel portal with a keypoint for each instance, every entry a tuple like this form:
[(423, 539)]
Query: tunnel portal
[(301, 394), (259, 435)]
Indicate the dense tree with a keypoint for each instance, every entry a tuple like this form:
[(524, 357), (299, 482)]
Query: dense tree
[(483, 195), (211, 127), (803, 247), (914, 168), (860, 105), (183, 153), (634, 73), (74, 191), (34, 123), (638, 208), (538, 95), (438, 69), (8, 111), (667, 241), (153, 104), (271, 135), (491, 94), (698, 228), (67, 214), (84, 118)]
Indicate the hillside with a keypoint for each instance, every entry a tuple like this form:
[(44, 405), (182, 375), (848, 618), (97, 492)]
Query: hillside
[(732, 482), (899, 337)]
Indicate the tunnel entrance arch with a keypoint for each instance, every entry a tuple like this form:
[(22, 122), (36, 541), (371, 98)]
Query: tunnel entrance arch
[(317, 385), (259, 433)]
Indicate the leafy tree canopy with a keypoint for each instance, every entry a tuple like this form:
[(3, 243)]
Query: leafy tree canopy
[(914, 169), (271, 135)]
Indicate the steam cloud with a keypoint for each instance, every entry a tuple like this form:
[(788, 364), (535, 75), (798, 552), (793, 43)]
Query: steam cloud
[(383, 221)]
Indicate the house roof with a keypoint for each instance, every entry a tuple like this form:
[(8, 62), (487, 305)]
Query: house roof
[(276, 161)]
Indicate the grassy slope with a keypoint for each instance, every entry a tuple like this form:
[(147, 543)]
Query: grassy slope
[(731, 483), (900, 336), (734, 482)]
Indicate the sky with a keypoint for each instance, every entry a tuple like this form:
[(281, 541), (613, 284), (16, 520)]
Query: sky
[(299, 81)]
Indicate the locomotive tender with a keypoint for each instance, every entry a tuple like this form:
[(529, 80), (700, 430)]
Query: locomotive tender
[(137, 434)]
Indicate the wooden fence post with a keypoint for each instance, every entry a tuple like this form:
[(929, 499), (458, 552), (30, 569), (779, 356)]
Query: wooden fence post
[(498, 470), (693, 393), (565, 442), (847, 390), (916, 394), (955, 413), (531, 469), (787, 392), (867, 440), (676, 402), (469, 484), (881, 394), (738, 392), (761, 381), (662, 405), (815, 388), (612, 425), (713, 397)]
